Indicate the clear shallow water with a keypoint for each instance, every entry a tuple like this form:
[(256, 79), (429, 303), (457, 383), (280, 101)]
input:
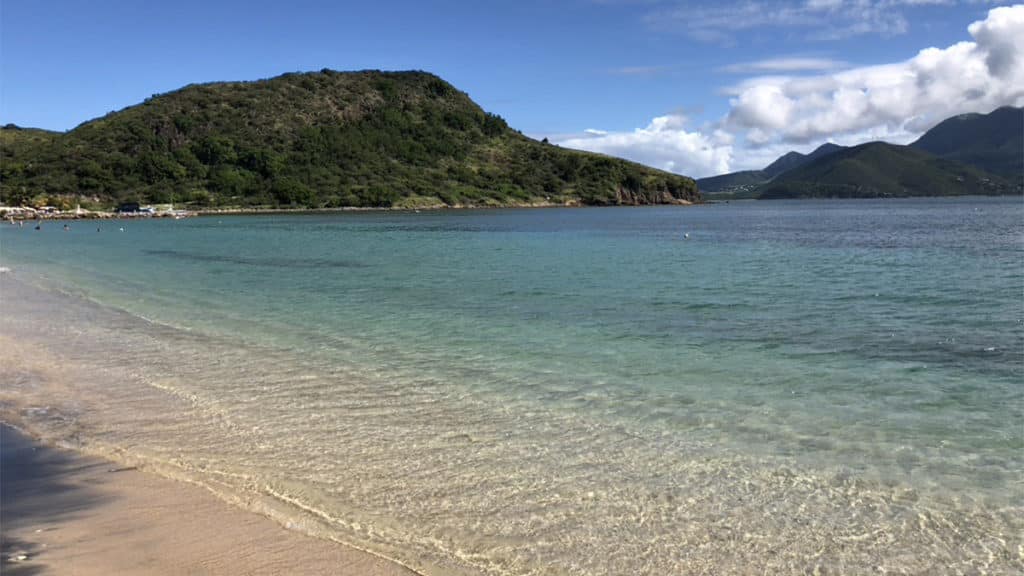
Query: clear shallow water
[(798, 385)]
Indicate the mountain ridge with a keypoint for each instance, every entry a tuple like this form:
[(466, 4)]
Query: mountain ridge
[(795, 159), (748, 180), (881, 170), (313, 140), (993, 142), (966, 154)]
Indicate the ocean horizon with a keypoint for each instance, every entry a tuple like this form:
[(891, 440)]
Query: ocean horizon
[(789, 387)]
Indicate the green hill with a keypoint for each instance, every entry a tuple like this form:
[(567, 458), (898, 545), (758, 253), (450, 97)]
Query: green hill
[(326, 139), (966, 154), (993, 142), (745, 182), (732, 182), (877, 169), (793, 160)]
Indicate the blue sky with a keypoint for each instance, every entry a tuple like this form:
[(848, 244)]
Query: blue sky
[(694, 87)]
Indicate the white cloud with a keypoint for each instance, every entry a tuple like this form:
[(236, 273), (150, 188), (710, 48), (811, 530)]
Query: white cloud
[(822, 19), (771, 115), (787, 65), (823, 4), (894, 98), (664, 143), (638, 70), (1001, 36)]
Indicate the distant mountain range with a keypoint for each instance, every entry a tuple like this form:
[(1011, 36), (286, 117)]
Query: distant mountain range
[(313, 140), (966, 154), (752, 178), (877, 169)]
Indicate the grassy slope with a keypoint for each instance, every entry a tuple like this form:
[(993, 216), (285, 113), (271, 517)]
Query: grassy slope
[(319, 140)]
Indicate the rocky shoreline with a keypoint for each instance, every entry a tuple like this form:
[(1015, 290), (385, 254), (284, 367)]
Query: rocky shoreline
[(21, 213)]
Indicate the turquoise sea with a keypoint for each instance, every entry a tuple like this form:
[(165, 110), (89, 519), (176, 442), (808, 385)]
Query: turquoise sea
[(779, 387)]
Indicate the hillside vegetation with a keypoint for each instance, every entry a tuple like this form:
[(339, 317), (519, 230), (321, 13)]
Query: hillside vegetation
[(877, 169), (993, 142), (746, 182), (327, 139), (966, 154), (792, 160), (733, 182)]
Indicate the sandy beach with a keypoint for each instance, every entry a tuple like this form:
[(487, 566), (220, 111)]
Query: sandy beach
[(63, 512)]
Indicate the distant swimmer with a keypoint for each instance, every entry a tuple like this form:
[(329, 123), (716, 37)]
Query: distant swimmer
[(39, 226), (122, 228), (687, 235), (97, 228), (66, 227)]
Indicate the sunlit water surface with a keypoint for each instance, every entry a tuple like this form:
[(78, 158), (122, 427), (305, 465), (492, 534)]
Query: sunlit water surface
[(797, 386)]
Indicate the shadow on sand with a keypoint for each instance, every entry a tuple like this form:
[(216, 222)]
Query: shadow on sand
[(37, 493)]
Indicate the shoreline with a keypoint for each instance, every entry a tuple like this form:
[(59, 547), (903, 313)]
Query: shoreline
[(65, 511), (20, 213)]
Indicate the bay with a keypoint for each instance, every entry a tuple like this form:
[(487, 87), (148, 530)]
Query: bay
[(790, 385)]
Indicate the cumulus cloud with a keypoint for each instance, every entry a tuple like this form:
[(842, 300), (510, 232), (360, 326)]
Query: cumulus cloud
[(897, 98), (664, 143), (770, 115)]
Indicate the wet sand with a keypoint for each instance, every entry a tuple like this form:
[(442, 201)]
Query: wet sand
[(62, 512)]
